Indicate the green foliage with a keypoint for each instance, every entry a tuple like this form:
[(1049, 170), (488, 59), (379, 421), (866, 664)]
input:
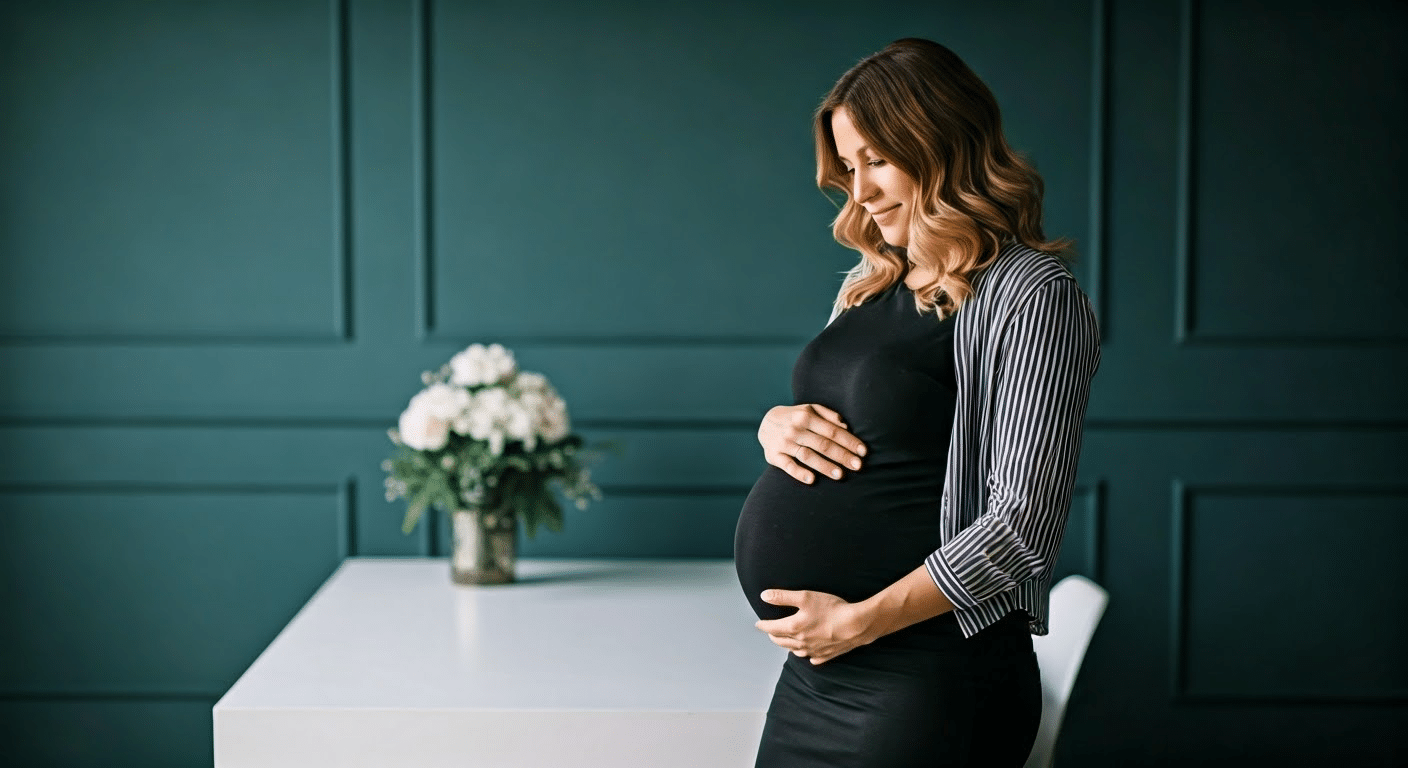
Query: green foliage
[(466, 474)]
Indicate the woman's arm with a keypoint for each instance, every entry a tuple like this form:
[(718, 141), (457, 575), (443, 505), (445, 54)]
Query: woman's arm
[(825, 626), (1050, 353)]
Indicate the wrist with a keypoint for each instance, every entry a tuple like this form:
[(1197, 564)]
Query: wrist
[(910, 600), (870, 619)]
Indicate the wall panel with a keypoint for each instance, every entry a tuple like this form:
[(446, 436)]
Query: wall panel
[(173, 172), (156, 589), (601, 160), (1275, 179), (1287, 547)]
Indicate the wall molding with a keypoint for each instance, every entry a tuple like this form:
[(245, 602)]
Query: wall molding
[(661, 425), (1098, 221), (344, 490), (423, 158), (423, 162), (1095, 517), (1183, 495), (1185, 331), (341, 329)]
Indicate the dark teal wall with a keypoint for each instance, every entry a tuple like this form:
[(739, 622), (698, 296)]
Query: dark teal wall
[(233, 233)]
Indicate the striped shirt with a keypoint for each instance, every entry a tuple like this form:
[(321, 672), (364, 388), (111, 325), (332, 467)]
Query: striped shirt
[(1026, 346)]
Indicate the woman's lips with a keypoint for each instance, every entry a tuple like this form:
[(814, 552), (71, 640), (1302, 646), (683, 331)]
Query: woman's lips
[(885, 214)]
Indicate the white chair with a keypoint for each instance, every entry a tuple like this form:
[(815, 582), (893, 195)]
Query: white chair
[(1077, 603)]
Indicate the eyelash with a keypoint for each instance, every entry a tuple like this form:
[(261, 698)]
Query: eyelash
[(872, 164)]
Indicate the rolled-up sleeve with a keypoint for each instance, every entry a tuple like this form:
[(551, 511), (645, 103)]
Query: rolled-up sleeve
[(1048, 355)]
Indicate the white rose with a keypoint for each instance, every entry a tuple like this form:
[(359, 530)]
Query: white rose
[(420, 429), (483, 415), (529, 381), (446, 402), (518, 423), (533, 403), (501, 364), (477, 424), (492, 402), (467, 367), (554, 423), (477, 365)]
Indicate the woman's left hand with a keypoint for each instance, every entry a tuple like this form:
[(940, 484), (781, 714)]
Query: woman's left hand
[(824, 626)]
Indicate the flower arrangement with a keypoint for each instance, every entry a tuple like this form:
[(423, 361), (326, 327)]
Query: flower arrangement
[(484, 435)]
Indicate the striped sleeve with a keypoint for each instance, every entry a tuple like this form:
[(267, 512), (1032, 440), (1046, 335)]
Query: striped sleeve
[(1048, 356)]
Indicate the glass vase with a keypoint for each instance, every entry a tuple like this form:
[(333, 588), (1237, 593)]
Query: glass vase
[(485, 546)]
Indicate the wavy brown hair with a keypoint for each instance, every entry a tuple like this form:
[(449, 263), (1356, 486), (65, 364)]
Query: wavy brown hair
[(921, 108)]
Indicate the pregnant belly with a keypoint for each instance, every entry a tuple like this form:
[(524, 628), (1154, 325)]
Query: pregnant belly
[(850, 538)]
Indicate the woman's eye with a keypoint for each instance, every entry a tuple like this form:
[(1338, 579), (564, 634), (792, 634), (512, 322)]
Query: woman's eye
[(871, 163)]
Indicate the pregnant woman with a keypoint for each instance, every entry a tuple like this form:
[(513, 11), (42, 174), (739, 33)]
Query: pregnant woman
[(901, 542)]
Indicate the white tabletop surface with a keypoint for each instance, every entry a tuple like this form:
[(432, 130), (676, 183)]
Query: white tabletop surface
[(582, 662)]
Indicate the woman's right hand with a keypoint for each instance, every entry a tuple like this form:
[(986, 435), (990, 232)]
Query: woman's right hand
[(800, 438)]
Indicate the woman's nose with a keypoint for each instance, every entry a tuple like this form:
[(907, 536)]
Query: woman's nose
[(862, 188)]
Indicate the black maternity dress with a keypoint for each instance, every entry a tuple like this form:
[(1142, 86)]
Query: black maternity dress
[(925, 695)]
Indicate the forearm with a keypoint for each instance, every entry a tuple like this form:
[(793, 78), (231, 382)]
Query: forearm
[(910, 600), (1050, 352)]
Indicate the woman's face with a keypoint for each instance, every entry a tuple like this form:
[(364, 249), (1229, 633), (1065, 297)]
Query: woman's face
[(876, 185)]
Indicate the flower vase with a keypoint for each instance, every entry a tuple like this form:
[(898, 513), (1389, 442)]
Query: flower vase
[(485, 546)]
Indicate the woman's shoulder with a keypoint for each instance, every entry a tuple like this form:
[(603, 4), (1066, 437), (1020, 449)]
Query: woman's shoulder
[(1018, 265), (1016, 272)]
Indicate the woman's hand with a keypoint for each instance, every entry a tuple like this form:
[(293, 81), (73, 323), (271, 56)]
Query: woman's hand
[(824, 626), (799, 438)]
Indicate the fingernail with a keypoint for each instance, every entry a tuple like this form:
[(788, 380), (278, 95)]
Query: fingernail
[(836, 473), (806, 478), (855, 463), (862, 450), (767, 594)]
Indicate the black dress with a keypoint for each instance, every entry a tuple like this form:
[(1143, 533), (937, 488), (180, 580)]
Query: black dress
[(925, 695)]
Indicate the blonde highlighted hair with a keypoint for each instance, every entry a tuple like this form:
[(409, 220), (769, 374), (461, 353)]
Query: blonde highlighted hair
[(921, 108)]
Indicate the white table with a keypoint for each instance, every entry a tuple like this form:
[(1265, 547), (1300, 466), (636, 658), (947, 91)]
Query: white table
[(582, 663)]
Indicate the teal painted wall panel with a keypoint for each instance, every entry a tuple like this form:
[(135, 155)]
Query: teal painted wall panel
[(341, 461), (155, 590), (697, 524), (1315, 545), (1310, 508), (1082, 546), (614, 152), (233, 233), (1284, 200), (184, 153)]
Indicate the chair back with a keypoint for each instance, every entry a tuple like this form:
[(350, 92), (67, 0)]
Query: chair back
[(1077, 603)]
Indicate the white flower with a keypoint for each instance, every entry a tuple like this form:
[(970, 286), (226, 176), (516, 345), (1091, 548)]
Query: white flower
[(501, 362), (445, 402), (518, 423), (529, 381), (507, 405), (477, 365), (484, 418), (419, 426), (546, 409), (553, 423)]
